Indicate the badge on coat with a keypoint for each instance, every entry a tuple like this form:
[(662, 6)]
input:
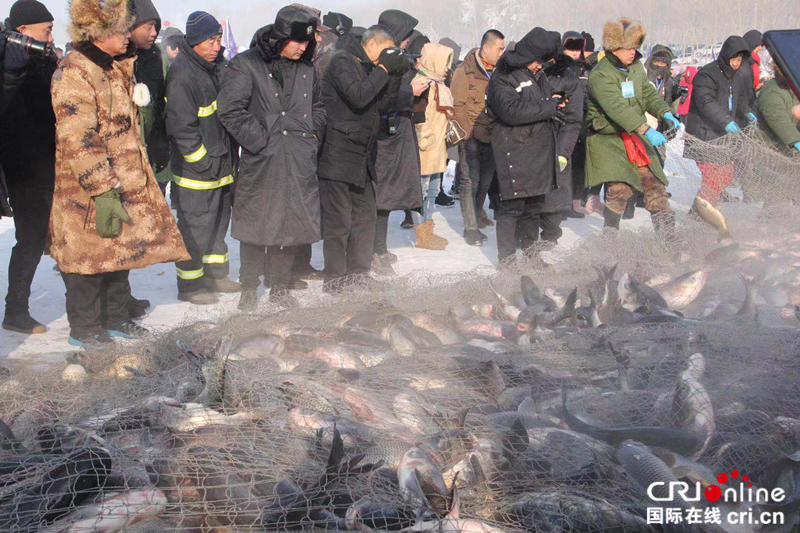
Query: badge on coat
[(627, 89)]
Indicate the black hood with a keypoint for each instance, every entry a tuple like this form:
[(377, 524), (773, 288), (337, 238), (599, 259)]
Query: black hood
[(270, 41), (733, 46), (560, 66), (338, 22), (666, 55), (538, 45), (753, 39), (144, 10), (450, 43), (352, 44), (416, 42), (399, 24)]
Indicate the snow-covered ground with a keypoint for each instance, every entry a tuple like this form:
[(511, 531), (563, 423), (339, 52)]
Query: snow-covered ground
[(158, 283)]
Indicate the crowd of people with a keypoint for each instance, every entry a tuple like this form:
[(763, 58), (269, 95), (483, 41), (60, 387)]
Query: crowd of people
[(318, 131)]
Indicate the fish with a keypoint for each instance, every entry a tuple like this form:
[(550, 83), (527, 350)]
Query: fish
[(647, 469), (440, 326), (414, 412), (683, 290), (530, 292), (259, 346), (67, 483), (338, 356), (153, 525), (405, 337), (530, 320), (421, 481), (360, 336), (509, 309), (566, 511), (733, 254), (113, 514), (191, 416), (452, 522), (693, 411), (748, 309), (500, 329), (683, 442), (635, 295), (711, 216), (297, 344), (684, 468)]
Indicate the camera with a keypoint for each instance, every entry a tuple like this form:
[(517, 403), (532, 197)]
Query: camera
[(683, 91), (33, 47)]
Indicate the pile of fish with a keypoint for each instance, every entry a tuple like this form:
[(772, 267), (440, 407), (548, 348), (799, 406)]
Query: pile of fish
[(543, 410)]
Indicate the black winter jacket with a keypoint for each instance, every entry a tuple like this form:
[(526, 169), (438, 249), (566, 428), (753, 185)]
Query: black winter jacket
[(201, 153), (28, 132), (352, 88), (522, 109), (563, 78), (149, 69), (274, 109), (720, 95)]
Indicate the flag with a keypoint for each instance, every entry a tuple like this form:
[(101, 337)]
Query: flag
[(228, 41)]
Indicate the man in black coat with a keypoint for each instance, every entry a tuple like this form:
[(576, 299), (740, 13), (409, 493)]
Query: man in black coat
[(352, 86), (202, 159), (521, 104), (27, 154), (272, 104), (721, 104)]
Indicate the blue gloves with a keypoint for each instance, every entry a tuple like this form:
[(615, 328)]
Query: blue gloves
[(655, 137), (797, 146), (732, 127), (674, 122), (751, 118)]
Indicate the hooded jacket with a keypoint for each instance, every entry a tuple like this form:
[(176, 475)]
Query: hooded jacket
[(431, 135), (661, 77), (274, 109), (351, 88), (522, 109), (775, 118), (399, 23), (562, 78), (469, 92), (721, 95), (201, 153), (149, 69)]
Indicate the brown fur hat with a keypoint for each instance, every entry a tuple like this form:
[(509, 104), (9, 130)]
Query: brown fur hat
[(92, 20), (623, 33)]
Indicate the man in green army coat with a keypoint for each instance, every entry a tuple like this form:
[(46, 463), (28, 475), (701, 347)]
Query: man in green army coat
[(620, 145)]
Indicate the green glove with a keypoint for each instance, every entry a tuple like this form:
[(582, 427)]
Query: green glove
[(109, 214)]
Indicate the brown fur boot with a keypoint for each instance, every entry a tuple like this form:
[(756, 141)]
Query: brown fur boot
[(426, 239)]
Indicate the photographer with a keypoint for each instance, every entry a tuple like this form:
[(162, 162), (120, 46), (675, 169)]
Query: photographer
[(27, 148)]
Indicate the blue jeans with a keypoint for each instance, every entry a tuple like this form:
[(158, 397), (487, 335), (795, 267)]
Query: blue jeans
[(430, 190)]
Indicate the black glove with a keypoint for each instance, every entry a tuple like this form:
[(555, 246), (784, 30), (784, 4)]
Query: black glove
[(394, 61), (16, 58), (560, 117)]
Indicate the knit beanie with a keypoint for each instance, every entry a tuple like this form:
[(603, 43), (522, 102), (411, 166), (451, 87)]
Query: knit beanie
[(200, 27), (27, 12)]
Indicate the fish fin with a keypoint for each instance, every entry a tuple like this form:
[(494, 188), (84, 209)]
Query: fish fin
[(517, 437), (480, 475), (461, 418), (455, 501), (724, 235), (611, 272), (529, 290), (337, 449)]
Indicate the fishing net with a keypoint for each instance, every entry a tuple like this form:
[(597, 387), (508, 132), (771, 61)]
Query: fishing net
[(362, 411)]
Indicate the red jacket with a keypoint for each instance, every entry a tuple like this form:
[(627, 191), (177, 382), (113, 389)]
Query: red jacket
[(686, 81), (756, 70)]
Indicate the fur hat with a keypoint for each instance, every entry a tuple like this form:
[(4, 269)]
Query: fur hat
[(623, 34), (92, 20)]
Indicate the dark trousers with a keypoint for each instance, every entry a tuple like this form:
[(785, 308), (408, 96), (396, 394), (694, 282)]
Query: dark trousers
[(203, 220), (523, 215), (274, 261), (579, 170), (477, 171), (348, 228), (302, 259), (550, 225), (381, 232), (31, 221), (97, 301)]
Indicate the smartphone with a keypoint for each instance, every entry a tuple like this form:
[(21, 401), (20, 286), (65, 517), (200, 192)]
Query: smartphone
[(784, 47)]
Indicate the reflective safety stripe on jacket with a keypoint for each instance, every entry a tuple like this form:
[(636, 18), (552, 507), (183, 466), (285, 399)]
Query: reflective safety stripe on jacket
[(197, 155), (215, 259), (199, 185), (208, 110)]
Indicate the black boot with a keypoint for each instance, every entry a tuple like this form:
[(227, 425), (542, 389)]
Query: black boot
[(443, 200), (611, 219), (630, 209), (473, 237), (408, 222)]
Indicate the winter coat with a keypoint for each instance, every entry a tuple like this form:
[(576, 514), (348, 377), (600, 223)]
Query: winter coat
[(687, 81), (469, 92), (721, 95), (201, 153), (351, 88), (522, 109), (431, 134), (399, 23), (774, 106), (278, 126), (99, 148), (609, 114), (397, 164), (28, 132), (562, 78)]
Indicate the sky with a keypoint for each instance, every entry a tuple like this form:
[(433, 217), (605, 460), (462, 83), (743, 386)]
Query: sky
[(246, 16)]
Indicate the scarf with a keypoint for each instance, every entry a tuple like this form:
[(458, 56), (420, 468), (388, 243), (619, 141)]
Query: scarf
[(445, 103), (636, 150)]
